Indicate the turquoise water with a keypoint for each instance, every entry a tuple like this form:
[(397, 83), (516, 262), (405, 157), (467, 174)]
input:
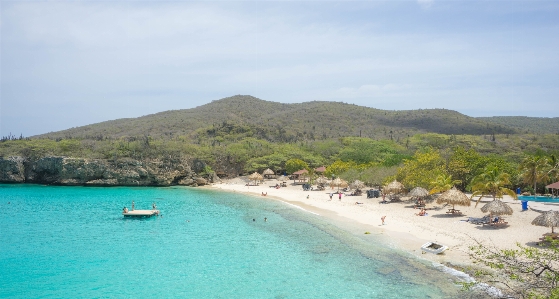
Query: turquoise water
[(73, 242), (539, 198)]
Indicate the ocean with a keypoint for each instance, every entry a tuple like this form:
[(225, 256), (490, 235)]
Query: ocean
[(73, 242)]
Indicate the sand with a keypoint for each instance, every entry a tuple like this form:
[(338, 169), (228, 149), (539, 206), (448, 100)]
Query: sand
[(406, 230)]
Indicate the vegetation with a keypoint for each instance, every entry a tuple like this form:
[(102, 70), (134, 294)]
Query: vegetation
[(524, 272), (492, 181), (434, 149), (424, 148)]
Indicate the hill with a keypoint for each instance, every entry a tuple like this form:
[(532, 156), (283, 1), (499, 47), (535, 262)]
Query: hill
[(540, 125), (286, 122)]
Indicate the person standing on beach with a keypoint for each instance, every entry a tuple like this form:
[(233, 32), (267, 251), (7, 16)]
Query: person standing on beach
[(340, 195), (382, 219), (331, 195)]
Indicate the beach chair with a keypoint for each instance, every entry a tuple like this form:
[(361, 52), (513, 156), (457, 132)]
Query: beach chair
[(478, 221)]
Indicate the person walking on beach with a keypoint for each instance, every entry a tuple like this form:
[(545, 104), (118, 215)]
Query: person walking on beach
[(340, 195), (382, 219), (331, 195)]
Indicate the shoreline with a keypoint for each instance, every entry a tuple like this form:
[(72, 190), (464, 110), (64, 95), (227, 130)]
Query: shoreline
[(403, 229)]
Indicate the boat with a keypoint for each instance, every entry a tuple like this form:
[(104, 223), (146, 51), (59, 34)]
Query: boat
[(433, 247), (141, 213)]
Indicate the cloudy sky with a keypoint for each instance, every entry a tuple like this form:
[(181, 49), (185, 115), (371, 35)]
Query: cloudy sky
[(71, 63)]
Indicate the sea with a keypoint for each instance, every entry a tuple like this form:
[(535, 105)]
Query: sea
[(73, 242)]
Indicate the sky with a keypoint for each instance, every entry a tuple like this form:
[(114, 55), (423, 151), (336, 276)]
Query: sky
[(66, 64)]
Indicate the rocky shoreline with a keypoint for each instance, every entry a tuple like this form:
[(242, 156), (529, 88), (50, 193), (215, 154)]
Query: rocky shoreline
[(55, 170)]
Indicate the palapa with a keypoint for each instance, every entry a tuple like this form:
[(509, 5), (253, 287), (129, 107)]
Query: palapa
[(357, 184), (268, 172), (321, 180), (497, 207), (337, 182), (454, 197), (418, 192), (547, 219), (255, 177), (395, 187)]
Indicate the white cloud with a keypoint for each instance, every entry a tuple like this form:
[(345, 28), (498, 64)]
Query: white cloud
[(174, 55)]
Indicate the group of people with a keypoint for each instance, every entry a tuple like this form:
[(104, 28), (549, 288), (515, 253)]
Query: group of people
[(339, 195), (125, 209)]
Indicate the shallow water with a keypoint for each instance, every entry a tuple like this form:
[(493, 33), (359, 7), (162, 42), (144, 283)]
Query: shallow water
[(73, 242)]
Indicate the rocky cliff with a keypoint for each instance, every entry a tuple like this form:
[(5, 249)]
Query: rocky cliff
[(98, 172)]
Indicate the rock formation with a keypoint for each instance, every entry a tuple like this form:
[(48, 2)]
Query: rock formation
[(100, 172)]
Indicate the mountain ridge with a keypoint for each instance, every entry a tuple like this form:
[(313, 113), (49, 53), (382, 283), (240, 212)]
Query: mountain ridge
[(290, 122)]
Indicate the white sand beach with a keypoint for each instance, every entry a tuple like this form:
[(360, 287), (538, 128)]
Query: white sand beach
[(406, 230)]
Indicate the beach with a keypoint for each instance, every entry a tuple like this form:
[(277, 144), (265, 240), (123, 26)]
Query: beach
[(404, 229)]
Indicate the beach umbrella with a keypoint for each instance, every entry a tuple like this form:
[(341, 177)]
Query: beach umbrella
[(255, 177), (337, 182), (497, 207), (547, 219), (321, 180), (454, 197), (357, 184), (418, 192), (268, 172), (394, 187)]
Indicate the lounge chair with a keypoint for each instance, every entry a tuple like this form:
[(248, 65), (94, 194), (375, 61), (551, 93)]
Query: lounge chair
[(482, 220)]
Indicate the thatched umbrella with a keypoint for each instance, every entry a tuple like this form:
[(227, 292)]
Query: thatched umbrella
[(337, 182), (357, 184), (394, 187), (255, 177), (268, 172), (418, 192), (496, 207), (321, 180), (549, 218), (454, 197)]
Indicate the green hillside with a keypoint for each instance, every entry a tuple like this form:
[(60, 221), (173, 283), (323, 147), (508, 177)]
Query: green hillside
[(279, 122), (540, 125)]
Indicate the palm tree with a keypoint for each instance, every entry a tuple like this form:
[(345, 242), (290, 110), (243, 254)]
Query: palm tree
[(534, 170), (491, 182), (554, 171), (442, 183)]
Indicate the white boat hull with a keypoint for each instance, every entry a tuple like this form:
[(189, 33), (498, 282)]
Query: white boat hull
[(433, 247)]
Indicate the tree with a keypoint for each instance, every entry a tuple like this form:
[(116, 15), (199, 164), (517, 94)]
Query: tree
[(491, 182), (533, 170), (442, 183), (526, 272), (422, 169), (293, 165), (554, 171)]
